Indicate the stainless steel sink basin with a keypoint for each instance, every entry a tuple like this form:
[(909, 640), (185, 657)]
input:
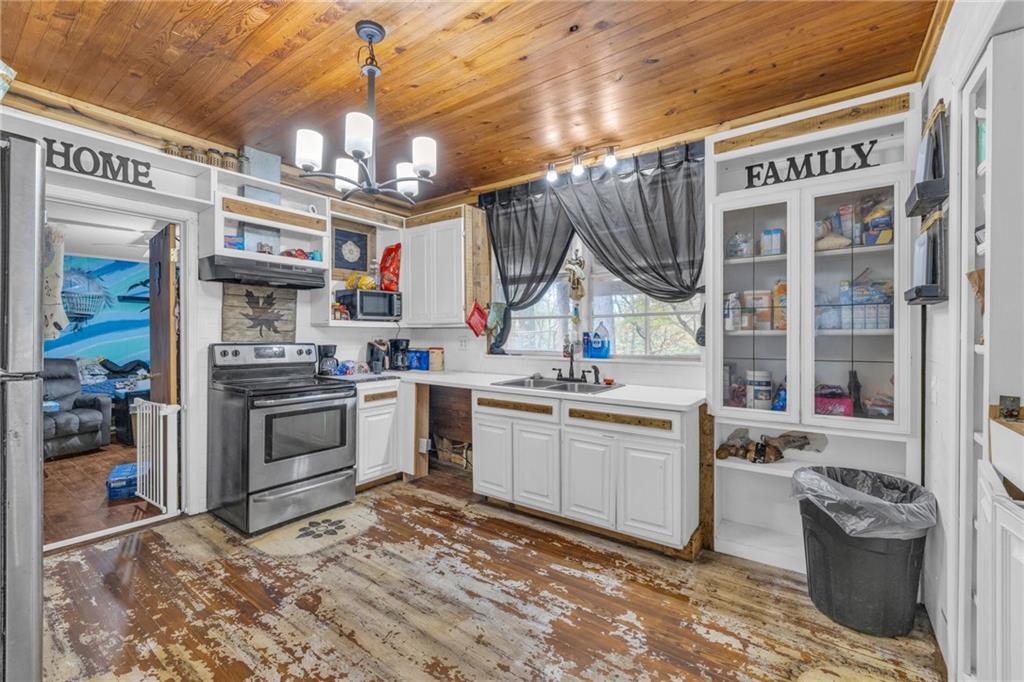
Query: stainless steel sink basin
[(527, 383), (582, 388)]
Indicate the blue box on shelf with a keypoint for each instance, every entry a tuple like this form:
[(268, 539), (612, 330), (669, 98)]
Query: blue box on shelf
[(122, 482)]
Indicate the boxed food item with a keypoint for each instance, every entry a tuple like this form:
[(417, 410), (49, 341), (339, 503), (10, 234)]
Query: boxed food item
[(871, 316), (779, 305), (859, 316), (846, 315)]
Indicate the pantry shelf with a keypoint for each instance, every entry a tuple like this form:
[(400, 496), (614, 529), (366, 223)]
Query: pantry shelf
[(757, 332), (783, 469), (759, 543), (755, 259), (855, 251), (853, 332)]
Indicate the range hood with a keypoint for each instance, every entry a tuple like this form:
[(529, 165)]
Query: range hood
[(220, 268)]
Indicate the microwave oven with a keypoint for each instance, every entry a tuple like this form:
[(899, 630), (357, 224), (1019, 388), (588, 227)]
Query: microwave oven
[(371, 304)]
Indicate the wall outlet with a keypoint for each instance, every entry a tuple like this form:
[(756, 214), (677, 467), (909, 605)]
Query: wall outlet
[(424, 446), (463, 343)]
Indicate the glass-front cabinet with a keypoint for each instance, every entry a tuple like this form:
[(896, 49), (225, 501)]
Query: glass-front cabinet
[(852, 249), (754, 347), (809, 319)]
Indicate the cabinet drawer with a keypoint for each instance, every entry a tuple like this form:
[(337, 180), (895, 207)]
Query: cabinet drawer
[(377, 394), (516, 406), (639, 421)]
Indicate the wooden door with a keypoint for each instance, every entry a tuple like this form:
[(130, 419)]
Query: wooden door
[(376, 443), (448, 268), (492, 457), (163, 315), (588, 477), (536, 466), (648, 495)]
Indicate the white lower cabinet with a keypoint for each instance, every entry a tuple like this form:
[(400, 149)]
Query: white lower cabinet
[(492, 457), (588, 477), (377, 443), (649, 491), (1000, 580), (535, 466)]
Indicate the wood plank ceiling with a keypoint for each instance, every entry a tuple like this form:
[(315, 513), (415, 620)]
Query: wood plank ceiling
[(504, 87)]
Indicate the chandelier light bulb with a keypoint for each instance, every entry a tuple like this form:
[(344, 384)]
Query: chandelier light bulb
[(424, 157), (347, 168), (358, 135), (577, 166), (409, 188), (309, 149), (609, 159), (552, 174)]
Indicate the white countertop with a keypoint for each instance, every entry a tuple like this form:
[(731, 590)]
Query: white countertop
[(635, 395)]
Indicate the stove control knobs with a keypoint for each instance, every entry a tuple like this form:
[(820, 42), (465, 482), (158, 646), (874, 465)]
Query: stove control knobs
[(235, 353), (223, 353)]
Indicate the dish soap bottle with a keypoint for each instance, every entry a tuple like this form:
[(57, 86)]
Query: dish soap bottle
[(600, 344)]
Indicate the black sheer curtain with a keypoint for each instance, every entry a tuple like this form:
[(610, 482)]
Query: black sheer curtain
[(644, 221), (530, 235)]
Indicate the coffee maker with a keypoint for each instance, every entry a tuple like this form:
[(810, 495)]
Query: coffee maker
[(327, 363), (378, 355), (399, 354)]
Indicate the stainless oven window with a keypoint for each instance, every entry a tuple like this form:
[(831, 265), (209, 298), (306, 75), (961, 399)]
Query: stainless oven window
[(304, 432)]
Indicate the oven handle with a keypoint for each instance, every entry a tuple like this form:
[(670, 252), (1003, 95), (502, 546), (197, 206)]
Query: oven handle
[(295, 491), (303, 399)]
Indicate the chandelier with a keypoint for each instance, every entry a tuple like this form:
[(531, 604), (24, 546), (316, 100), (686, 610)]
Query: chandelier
[(356, 171)]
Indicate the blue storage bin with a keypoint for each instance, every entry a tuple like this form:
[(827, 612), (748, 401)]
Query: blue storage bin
[(122, 482)]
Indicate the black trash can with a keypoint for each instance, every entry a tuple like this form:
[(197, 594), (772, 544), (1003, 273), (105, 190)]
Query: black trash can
[(864, 537)]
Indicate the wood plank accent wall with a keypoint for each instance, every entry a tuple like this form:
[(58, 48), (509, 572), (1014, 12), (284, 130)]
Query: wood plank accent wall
[(247, 208), (451, 413), (434, 216), (515, 406), (347, 209), (477, 254), (624, 419), (863, 112)]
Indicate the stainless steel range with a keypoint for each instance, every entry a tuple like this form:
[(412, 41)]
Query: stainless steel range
[(281, 441)]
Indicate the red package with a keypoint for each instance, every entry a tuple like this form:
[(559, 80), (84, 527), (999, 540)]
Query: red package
[(390, 266), (477, 319)]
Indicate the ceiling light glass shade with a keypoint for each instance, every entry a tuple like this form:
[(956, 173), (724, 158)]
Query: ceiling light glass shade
[(409, 188), (309, 149), (346, 168), (577, 166), (424, 156), (358, 135), (609, 159), (552, 174)]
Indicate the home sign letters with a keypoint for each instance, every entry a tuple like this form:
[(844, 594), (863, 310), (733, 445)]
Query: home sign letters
[(86, 161), (810, 165)]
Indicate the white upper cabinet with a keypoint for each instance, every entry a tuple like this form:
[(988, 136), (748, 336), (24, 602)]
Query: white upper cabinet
[(416, 282), (434, 274)]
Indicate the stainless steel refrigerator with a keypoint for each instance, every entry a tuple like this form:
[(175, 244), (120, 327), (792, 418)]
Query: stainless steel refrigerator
[(21, 395)]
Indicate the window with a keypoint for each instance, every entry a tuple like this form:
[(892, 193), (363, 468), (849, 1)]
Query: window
[(639, 326)]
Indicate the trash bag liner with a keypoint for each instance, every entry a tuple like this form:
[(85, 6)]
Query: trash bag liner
[(867, 504)]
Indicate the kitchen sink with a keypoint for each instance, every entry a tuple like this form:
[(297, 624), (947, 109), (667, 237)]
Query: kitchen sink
[(528, 383), (582, 388)]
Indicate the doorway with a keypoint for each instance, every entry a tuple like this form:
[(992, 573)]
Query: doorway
[(110, 369)]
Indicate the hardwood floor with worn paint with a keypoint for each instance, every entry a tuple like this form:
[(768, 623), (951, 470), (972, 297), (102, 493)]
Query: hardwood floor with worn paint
[(420, 581)]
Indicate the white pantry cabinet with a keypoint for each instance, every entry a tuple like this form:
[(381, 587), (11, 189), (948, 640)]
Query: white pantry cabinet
[(377, 432), (492, 457), (588, 477)]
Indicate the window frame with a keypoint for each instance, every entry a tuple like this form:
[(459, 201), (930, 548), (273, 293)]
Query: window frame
[(595, 273)]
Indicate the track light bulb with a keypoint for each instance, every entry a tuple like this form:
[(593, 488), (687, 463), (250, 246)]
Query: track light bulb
[(577, 166), (552, 173), (609, 158)]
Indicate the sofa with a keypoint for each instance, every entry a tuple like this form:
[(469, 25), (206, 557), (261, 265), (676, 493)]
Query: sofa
[(83, 421)]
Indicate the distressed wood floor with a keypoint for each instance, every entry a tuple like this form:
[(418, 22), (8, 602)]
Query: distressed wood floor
[(420, 581)]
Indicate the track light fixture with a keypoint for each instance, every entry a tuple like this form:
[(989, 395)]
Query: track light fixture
[(552, 174), (577, 165), (609, 158)]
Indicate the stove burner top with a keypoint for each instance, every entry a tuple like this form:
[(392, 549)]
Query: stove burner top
[(277, 385)]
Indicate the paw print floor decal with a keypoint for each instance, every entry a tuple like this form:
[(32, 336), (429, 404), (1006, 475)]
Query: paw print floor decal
[(319, 529)]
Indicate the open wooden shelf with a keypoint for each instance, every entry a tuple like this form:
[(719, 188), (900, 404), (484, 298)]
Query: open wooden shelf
[(759, 543)]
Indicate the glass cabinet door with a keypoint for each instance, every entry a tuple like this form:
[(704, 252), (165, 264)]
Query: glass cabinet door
[(756, 311), (854, 305)]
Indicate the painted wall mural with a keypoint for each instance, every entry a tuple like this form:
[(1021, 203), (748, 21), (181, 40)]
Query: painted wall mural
[(107, 304)]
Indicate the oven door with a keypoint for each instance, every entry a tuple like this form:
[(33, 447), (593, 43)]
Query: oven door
[(295, 438)]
